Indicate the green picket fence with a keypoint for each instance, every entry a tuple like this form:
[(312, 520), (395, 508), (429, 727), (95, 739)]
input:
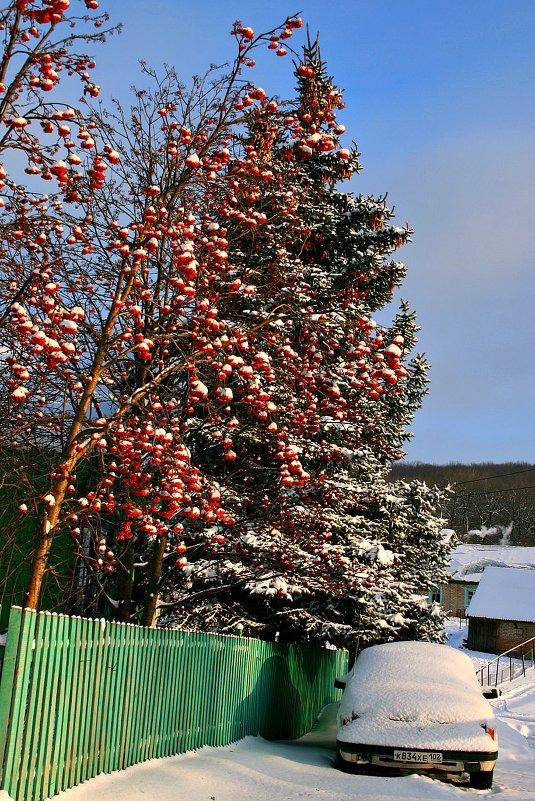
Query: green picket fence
[(79, 697)]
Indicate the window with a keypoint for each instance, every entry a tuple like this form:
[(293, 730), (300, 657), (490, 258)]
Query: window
[(469, 593), (435, 596)]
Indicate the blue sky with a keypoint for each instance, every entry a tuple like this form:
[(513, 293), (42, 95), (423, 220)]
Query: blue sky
[(441, 101)]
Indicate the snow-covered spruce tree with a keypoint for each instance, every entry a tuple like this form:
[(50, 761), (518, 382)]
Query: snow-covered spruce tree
[(307, 402)]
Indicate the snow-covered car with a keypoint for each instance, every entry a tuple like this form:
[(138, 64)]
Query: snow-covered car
[(416, 706)]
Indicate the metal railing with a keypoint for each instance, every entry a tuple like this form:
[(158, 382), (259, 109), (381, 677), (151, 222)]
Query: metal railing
[(509, 665)]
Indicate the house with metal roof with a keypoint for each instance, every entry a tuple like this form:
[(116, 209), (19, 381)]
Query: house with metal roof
[(501, 614), (467, 564)]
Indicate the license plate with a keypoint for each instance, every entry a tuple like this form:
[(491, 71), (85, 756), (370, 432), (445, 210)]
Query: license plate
[(422, 757)]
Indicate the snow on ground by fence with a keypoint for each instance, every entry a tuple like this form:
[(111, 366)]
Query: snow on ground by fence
[(255, 769)]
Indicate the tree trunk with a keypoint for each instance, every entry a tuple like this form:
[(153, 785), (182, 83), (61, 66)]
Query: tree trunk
[(155, 573), (37, 572), (45, 538), (71, 454)]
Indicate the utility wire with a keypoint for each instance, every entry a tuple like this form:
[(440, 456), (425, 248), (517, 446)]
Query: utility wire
[(489, 478), (494, 492)]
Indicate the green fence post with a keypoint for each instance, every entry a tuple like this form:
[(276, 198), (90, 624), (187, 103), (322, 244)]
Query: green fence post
[(7, 680), (21, 625)]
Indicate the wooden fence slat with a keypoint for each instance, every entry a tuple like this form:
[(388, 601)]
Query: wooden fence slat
[(118, 700), (241, 666), (81, 667), (34, 712), (187, 694), (237, 682), (160, 688), (139, 693), (171, 700), (48, 711), (142, 695), (202, 705), (91, 695), (71, 637), (153, 681), (179, 680), (128, 681), (53, 680), (111, 701), (59, 758), (160, 680), (40, 709), (74, 735), (201, 668), (229, 726), (216, 693), (24, 623), (137, 655), (88, 684), (7, 679)]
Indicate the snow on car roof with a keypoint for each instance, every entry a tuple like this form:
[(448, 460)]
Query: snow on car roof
[(505, 593), (416, 681)]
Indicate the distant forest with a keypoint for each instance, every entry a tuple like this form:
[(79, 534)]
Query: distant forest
[(497, 500)]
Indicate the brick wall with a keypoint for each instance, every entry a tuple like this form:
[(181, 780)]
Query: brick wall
[(453, 597), (510, 633)]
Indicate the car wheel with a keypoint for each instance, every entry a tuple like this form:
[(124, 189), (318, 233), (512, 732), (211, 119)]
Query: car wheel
[(481, 779)]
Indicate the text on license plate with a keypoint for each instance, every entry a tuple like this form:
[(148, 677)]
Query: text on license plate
[(425, 757)]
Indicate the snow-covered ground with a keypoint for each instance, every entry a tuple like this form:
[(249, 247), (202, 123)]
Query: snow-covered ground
[(256, 770)]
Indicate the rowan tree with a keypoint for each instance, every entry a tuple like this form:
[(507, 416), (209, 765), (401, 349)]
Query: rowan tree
[(39, 170), (105, 292), (188, 325)]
